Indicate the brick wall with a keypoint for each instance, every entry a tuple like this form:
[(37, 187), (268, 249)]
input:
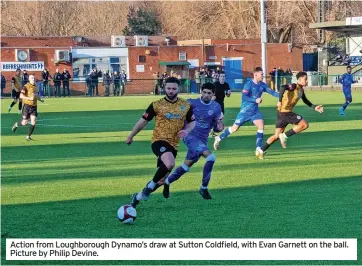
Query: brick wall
[(250, 50)]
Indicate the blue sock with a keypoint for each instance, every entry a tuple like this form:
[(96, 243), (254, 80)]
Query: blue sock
[(259, 138), (210, 160), (179, 171), (225, 134), (345, 105)]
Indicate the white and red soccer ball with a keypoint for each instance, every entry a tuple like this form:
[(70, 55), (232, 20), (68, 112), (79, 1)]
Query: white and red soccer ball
[(127, 214)]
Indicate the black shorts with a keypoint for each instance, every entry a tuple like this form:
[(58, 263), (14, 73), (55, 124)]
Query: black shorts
[(222, 105), (159, 147), (15, 94), (29, 110), (287, 118)]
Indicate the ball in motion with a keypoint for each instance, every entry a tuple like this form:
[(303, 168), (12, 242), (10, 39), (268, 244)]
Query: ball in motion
[(127, 214)]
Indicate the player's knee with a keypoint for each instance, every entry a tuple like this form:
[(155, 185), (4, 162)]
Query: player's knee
[(170, 165), (24, 122), (211, 158), (304, 124), (349, 99)]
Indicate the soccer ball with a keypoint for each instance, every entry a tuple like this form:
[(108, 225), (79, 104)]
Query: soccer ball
[(127, 214)]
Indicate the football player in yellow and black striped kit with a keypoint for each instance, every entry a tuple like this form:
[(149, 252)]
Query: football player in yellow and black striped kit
[(171, 114), (16, 85), (29, 96), (289, 96)]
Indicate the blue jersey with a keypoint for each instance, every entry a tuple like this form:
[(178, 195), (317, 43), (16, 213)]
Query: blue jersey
[(251, 92), (206, 117), (346, 80)]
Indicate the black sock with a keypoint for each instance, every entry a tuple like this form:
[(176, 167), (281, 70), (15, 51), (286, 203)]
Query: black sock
[(156, 187), (12, 104), (31, 129), (160, 173), (290, 132), (20, 106), (265, 146)]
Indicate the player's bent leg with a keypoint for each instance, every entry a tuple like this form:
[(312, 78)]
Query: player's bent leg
[(301, 126), (179, 171), (259, 123), (32, 126), (225, 134), (269, 142), (210, 160)]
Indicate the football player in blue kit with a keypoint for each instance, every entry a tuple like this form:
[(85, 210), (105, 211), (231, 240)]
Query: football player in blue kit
[(346, 80), (249, 110), (208, 115)]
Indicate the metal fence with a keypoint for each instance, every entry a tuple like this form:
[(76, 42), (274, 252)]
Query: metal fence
[(152, 86)]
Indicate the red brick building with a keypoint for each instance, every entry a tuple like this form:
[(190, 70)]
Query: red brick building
[(139, 60)]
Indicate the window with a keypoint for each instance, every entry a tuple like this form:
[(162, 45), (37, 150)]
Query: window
[(141, 59), (182, 56), (83, 66)]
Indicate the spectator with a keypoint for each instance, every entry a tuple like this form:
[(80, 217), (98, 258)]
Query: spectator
[(288, 76), (164, 77), (273, 74), (89, 83), (45, 77), (3, 84), (116, 80), (123, 82), (94, 77), (24, 78), (197, 79), (107, 80), (280, 77), (57, 79), (156, 77), (66, 78)]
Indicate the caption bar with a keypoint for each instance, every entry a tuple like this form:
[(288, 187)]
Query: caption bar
[(181, 249)]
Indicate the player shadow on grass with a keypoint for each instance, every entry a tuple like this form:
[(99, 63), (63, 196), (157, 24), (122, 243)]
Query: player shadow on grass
[(327, 208)]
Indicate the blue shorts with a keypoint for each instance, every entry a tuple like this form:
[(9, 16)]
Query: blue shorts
[(195, 148), (347, 93), (241, 118)]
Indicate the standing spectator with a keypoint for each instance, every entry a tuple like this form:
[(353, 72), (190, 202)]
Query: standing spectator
[(3, 84), (164, 78), (123, 82), (156, 77), (45, 76), (197, 79), (106, 82), (89, 84), (272, 77), (288, 76), (66, 78), (215, 75), (94, 77), (280, 77), (222, 89), (57, 79), (116, 80), (24, 78)]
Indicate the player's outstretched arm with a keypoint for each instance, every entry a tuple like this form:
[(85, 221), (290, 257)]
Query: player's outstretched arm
[(271, 92), (136, 129), (317, 108), (39, 98)]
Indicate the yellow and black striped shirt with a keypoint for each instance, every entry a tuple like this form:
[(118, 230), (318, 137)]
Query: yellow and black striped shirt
[(170, 119), (289, 96), (30, 90)]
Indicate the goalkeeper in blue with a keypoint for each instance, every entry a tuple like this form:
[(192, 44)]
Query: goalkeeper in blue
[(249, 110), (208, 115), (346, 80)]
